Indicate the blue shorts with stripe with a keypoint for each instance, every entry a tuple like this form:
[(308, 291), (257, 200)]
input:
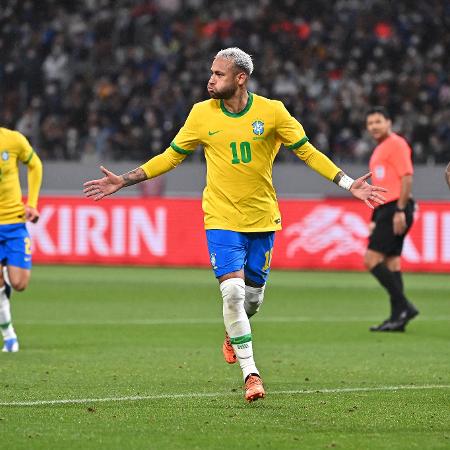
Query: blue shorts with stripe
[(230, 251), (15, 245)]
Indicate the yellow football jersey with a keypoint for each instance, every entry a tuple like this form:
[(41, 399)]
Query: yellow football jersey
[(14, 147), (240, 149)]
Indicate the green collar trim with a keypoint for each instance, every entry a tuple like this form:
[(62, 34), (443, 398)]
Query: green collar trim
[(239, 114)]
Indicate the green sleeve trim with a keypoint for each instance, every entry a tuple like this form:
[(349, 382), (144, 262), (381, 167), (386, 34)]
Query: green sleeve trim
[(298, 144), (29, 158), (241, 339), (239, 114), (181, 150)]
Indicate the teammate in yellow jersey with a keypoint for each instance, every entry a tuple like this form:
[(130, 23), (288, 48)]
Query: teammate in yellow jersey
[(15, 243), (241, 133)]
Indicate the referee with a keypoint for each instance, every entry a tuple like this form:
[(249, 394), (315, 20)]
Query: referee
[(391, 168)]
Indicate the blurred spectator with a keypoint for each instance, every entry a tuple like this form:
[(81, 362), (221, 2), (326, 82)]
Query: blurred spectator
[(115, 79)]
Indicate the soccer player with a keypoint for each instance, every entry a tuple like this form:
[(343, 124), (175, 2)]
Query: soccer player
[(391, 167), (241, 133), (15, 243)]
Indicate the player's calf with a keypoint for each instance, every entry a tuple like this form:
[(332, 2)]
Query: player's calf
[(8, 333), (237, 324)]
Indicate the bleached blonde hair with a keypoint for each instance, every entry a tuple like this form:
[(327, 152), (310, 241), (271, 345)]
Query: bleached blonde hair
[(239, 57)]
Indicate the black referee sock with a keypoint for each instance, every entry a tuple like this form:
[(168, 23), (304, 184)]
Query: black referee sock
[(392, 282), (399, 278)]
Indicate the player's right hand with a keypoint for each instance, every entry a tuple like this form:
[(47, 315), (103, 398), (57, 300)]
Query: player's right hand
[(97, 189), (31, 214)]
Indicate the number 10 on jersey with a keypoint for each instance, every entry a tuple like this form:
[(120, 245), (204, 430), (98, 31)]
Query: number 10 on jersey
[(245, 152)]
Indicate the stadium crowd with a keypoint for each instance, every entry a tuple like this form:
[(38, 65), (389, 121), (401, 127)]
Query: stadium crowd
[(115, 79)]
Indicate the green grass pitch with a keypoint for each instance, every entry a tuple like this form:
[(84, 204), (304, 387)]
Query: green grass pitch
[(136, 353)]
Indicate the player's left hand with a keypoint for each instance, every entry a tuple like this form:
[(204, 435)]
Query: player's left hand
[(366, 192), (31, 214)]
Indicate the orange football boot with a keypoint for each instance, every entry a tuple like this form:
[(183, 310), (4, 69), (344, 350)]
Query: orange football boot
[(228, 350), (254, 388)]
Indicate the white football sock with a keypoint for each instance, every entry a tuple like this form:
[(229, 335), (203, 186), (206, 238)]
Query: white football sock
[(254, 296), (237, 324), (5, 316)]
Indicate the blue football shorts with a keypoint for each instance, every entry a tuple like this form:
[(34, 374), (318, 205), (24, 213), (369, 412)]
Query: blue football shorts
[(230, 251), (15, 245)]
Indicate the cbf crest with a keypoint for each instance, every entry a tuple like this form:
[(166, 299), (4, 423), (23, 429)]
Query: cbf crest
[(213, 260), (5, 155), (258, 127)]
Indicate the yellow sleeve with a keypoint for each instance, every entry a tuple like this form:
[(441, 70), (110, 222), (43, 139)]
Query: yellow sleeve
[(34, 179), (25, 149), (289, 130), (317, 161), (28, 157), (187, 139), (162, 163)]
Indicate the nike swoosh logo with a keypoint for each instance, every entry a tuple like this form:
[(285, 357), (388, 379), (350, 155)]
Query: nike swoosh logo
[(214, 132)]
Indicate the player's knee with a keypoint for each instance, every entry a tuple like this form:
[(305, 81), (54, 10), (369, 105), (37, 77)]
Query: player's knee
[(18, 279), (254, 297), (233, 294), (370, 261), (19, 285)]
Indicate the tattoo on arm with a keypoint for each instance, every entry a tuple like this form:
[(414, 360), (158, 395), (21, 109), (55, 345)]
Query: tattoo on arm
[(338, 177), (134, 176)]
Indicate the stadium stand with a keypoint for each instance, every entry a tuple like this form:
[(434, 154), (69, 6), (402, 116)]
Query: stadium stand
[(114, 79)]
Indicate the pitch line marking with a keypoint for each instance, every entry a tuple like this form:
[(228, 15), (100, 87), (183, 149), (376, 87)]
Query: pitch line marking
[(134, 398), (206, 321)]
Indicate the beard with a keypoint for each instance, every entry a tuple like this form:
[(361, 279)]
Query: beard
[(224, 94)]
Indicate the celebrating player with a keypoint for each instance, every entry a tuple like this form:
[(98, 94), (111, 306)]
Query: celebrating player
[(241, 133), (391, 167), (15, 243)]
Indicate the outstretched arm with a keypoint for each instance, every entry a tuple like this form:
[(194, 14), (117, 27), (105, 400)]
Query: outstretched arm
[(110, 183), (361, 189), (323, 165)]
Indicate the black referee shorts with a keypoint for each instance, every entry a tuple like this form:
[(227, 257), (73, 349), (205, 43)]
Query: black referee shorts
[(383, 239)]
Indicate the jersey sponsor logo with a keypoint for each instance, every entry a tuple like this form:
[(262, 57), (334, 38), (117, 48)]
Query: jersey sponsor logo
[(329, 230), (5, 155), (211, 133), (258, 127)]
